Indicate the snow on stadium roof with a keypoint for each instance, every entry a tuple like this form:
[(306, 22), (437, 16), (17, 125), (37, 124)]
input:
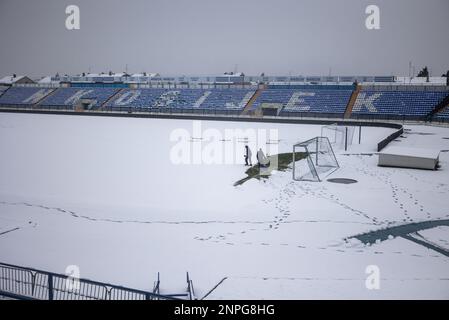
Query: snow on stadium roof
[(230, 75), (10, 79), (120, 74), (151, 75), (48, 79)]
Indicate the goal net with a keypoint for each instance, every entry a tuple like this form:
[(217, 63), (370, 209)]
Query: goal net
[(313, 159), (340, 137)]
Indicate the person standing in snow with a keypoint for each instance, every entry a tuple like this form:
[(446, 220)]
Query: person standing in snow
[(262, 159), (248, 155)]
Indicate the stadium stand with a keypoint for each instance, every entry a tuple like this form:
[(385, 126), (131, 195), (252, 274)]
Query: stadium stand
[(442, 115), (440, 112), (3, 89), (24, 96), (396, 104), (181, 99), (69, 97), (334, 100), (227, 98), (145, 99), (331, 100)]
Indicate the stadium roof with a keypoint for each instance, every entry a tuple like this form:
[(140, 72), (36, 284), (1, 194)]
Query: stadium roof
[(48, 79), (13, 79), (151, 75)]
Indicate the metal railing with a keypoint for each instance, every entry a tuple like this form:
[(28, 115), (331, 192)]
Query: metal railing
[(32, 284), (382, 144)]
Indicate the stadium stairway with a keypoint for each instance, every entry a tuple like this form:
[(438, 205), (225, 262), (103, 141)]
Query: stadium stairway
[(111, 98), (37, 105), (351, 102), (439, 107), (3, 89), (247, 110)]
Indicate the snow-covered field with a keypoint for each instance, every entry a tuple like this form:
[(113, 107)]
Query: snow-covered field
[(105, 195)]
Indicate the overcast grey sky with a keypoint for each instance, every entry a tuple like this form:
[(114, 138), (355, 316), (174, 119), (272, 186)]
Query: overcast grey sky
[(179, 37)]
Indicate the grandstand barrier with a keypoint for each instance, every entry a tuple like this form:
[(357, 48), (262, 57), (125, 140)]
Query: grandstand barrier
[(199, 111), (382, 144), (120, 110), (388, 117), (300, 115), (23, 283), (441, 120)]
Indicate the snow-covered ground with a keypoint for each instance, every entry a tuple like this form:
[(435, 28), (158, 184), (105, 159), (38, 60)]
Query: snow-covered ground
[(104, 194)]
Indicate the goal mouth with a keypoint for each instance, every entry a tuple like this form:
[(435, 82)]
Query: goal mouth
[(319, 162)]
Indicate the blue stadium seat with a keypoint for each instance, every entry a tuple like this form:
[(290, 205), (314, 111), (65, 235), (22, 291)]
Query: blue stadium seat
[(306, 100), (227, 98), (443, 114), (24, 96), (204, 99), (71, 96), (407, 104), (293, 100)]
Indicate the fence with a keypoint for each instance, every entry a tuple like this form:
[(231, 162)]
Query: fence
[(32, 284), (382, 144)]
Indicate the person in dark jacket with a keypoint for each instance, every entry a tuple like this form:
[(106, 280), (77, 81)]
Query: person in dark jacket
[(248, 155)]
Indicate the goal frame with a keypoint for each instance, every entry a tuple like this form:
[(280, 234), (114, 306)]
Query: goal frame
[(346, 133), (313, 148)]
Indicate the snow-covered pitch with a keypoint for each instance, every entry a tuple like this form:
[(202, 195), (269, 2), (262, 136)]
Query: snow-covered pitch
[(105, 195)]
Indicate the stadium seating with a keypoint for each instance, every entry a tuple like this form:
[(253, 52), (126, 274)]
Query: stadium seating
[(24, 96), (227, 99), (69, 97), (308, 100), (3, 89), (305, 100), (396, 104), (443, 115), (136, 99), (204, 99)]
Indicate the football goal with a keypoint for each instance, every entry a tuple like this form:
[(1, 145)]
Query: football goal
[(313, 159), (339, 136)]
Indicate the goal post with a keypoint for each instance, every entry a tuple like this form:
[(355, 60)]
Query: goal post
[(340, 136), (313, 159)]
